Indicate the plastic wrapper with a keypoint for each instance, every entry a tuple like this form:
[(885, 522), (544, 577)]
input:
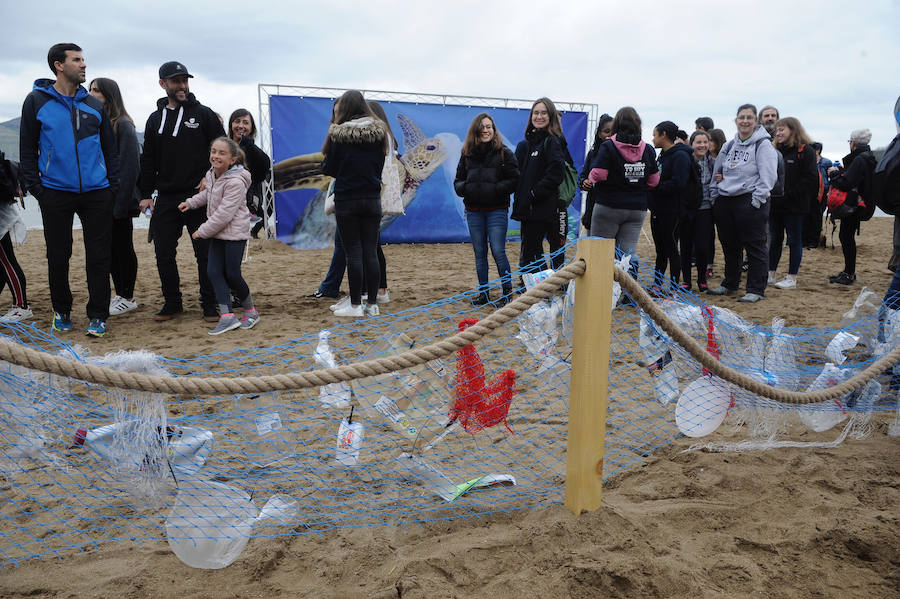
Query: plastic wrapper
[(658, 361), (842, 342), (781, 360), (822, 416), (333, 395), (538, 329), (866, 306), (349, 441), (532, 279)]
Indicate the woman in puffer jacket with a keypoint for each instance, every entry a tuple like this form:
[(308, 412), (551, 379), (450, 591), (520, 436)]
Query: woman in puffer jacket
[(485, 177), (227, 227)]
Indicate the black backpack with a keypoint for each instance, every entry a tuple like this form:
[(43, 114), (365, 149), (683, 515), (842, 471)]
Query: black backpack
[(885, 188), (9, 186), (692, 194)]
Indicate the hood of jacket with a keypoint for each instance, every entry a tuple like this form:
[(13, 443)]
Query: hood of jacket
[(358, 131), (758, 133), (46, 86), (190, 100), (632, 152), (235, 172), (849, 158), (675, 149)]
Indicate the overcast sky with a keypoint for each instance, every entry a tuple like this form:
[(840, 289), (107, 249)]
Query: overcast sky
[(832, 64)]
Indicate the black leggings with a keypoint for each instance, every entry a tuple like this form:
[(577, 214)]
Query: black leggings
[(665, 236), (533, 235), (847, 235), (694, 232), (358, 222), (224, 270), (12, 273), (123, 261)]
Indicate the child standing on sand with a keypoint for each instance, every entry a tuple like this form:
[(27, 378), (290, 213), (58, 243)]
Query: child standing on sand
[(227, 227)]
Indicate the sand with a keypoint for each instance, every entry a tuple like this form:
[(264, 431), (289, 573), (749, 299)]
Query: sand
[(790, 523)]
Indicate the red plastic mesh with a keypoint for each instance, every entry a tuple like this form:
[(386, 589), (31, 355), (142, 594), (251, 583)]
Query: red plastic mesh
[(478, 405)]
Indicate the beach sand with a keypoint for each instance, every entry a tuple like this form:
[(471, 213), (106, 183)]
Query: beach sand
[(782, 523)]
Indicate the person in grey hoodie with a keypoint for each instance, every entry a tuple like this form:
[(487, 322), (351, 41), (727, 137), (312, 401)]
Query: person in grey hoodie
[(743, 176)]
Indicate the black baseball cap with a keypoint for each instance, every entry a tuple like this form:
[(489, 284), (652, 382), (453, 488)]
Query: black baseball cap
[(173, 69)]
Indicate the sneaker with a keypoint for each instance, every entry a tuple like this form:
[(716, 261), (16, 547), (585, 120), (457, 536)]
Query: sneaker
[(350, 311), (710, 273), (342, 303), (702, 287), (211, 315), (227, 322), (249, 319), (61, 322), (788, 282), (383, 298), (371, 310), (17, 314), (842, 278), (119, 305), (167, 312), (482, 299), (751, 298), (771, 280), (319, 294), (96, 328), (685, 286), (720, 290)]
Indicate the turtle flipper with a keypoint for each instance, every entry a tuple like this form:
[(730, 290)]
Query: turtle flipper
[(301, 172)]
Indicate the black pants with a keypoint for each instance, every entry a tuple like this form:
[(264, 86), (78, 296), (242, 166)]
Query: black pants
[(224, 269), (124, 263), (664, 227), (533, 235), (12, 274), (94, 209), (358, 222), (847, 235), (812, 225), (741, 226), (693, 232), (166, 226)]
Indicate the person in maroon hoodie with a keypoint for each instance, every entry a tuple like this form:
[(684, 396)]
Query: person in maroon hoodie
[(622, 171)]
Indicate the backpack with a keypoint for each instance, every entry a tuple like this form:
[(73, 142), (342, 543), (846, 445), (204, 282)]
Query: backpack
[(9, 185), (842, 204), (885, 191), (778, 188), (692, 194), (568, 187)]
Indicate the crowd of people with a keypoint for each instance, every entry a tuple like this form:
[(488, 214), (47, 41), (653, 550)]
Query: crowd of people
[(79, 155)]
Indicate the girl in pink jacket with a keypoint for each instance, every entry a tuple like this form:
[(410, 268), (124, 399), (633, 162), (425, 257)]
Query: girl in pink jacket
[(227, 227)]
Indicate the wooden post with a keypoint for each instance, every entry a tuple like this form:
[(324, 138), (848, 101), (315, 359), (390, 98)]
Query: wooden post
[(590, 376)]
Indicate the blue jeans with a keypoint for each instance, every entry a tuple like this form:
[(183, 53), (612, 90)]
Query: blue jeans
[(488, 227), (779, 222), (892, 297)]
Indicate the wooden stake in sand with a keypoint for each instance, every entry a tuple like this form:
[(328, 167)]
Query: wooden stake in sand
[(590, 376)]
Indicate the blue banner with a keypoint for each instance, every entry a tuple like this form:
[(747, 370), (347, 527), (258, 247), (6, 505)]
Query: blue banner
[(430, 137)]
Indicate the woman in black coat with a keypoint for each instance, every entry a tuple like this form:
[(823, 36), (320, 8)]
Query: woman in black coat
[(855, 178), (242, 129), (487, 173)]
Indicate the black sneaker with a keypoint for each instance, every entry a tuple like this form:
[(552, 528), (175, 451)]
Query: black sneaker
[(482, 299), (843, 278), (210, 315), (168, 312), (320, 295)]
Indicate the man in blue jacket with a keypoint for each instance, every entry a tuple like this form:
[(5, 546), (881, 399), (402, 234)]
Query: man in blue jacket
[(70, 164)]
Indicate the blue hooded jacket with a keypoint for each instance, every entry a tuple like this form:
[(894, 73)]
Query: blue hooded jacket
[(66, 144)]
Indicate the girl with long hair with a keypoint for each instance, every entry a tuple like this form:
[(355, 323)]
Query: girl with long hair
[(355, 151), (242, 130), (602, 133), (123, 260), (697, 225), (801, 184), (485, 176)]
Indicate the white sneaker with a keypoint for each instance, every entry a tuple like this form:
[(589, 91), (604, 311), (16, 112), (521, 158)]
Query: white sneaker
[(788, 282), (17, 314), (771, 280), (120, 305), (350, 311), (383, 298), (372, 310), (341, 303)]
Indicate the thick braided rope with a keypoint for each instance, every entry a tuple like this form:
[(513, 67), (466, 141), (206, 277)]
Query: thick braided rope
[(699, 353), (199, 386)]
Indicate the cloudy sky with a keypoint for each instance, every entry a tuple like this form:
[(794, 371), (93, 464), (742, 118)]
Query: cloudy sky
[(832, 64)]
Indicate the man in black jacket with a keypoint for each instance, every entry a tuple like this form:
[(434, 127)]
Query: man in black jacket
[(177, 138)]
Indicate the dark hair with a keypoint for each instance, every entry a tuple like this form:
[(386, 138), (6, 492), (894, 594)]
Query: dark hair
[(381, 115), (717, 136), (681, 134), (604, 119), (58, 53), (474, 133), (817, 146), (696, 134), (745, 107), (352, 105), (115, 107), (627, 122), (705, 123), (554, 127), (242, 112), (667, 128), (235, 149)]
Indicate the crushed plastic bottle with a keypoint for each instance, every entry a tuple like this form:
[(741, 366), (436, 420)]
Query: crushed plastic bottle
[(334, 395)]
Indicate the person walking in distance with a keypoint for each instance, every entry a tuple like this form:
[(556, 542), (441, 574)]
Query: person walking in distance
[(177, 139), (70, 164)]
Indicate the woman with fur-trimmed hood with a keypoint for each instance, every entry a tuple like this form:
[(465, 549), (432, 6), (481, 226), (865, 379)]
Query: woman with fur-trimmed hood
[(354, 152)]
